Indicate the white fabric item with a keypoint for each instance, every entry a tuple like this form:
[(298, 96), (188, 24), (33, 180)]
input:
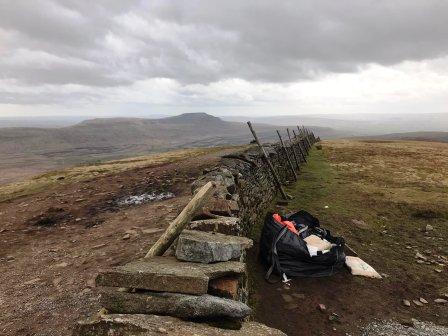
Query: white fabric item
[(358, 266), (315, 243)]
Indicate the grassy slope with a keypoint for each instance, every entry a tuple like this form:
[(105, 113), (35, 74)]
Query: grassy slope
[(396, 189), (81, 173)]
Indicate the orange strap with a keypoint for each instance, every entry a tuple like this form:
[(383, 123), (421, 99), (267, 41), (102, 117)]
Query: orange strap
[(290, 225)]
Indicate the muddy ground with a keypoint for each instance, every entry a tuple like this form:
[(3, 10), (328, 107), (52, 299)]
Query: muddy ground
[(52, 244)]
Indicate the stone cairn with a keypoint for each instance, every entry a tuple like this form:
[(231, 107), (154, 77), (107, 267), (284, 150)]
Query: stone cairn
[(202, 278)]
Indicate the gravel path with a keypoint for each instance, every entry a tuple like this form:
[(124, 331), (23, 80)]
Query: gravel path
[(394, 329)]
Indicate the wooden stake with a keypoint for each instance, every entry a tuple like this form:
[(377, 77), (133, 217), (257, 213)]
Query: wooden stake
[(303, 152), (271, 167), (293, 149), (287, 156), (307, 139), (177, 225)]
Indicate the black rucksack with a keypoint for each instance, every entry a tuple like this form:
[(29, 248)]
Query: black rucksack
[(286, 254)]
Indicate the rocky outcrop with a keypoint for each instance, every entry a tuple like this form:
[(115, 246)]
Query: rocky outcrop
[(153, 325), (209, 247)]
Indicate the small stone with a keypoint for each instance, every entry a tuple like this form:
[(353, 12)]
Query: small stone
[(417, 303), (429, 228), (407, 303), (126, 236), (440, 301), (418, 255), (407, 322), (98, 246), (322, 307), (162, 330), (78, 219), (334, 318), (10, 258), (32, 282), (422, 300), (437, 270), (62, 264)]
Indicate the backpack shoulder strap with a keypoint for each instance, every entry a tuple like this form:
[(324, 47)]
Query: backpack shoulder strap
[(274, 256)]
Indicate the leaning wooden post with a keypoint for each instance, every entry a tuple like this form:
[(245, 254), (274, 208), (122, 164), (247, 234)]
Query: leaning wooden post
[(177, 225), (271, 167), (293, 149), (307, 139), (302, 139), (287, 156), (303, 151)]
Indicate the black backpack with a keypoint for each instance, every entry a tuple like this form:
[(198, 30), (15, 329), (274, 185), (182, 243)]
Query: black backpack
[(286, 254)]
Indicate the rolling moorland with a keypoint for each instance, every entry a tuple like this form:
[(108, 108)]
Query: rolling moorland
[(386, 198), (29, 151)]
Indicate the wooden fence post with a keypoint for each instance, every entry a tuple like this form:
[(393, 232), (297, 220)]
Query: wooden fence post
[(294, 150), (271, 167), (177, 225), (302, 150), (287, 156)]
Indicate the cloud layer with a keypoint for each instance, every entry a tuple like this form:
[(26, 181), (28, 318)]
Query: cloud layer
[(219, 52)]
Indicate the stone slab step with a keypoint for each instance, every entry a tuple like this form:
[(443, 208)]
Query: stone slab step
[(210, 247), (172, 304), (167, 274), (154, 325)]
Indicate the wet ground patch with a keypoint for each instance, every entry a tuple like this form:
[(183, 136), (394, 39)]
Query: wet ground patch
[(146, 198)]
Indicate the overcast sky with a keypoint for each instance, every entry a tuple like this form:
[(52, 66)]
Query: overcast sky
[(113, 57)]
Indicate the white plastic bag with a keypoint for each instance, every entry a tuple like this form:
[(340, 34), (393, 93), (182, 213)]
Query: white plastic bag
[(358, 266)]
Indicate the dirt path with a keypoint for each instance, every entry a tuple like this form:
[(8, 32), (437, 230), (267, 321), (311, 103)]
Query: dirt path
[(52, 244)]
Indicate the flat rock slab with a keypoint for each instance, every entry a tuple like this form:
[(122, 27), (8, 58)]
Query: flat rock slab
[(225, 225), (153, 325), (210, 247), (167, 274), (172, 304)]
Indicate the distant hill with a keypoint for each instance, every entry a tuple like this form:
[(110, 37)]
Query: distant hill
[(418, 136), (363, 124), (110, 138)]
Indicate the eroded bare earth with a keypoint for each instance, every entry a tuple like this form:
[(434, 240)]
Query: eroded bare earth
[(54, 242)]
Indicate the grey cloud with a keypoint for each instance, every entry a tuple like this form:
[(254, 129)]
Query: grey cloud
[(202, 41)]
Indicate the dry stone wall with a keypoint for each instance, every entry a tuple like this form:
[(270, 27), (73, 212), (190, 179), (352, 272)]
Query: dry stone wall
[(205, 275)]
